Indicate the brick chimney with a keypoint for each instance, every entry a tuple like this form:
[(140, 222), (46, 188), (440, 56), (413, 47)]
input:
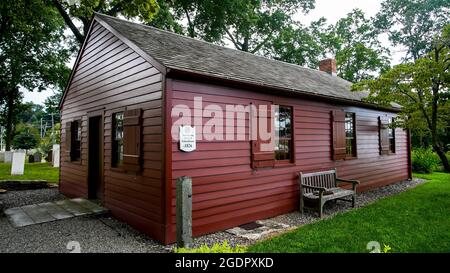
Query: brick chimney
[(329, 66)]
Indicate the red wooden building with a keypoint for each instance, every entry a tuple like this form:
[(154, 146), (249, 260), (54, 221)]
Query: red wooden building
[(117, 119)]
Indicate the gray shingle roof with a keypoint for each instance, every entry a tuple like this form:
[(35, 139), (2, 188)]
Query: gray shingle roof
[(182, 53)]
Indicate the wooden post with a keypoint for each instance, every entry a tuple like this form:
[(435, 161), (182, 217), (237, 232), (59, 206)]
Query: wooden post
[(184, 211)]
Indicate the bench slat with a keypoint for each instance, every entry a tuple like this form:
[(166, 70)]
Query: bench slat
[(318, 173)]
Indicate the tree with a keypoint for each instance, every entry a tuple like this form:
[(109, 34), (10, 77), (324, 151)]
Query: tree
[(30, 112), (83, 10), (25, 140), (32, 55), (11, 97), (413, 23), (353, 41), (359, 53), (299, 44), (422, 88), (52, 106), (247, 25)]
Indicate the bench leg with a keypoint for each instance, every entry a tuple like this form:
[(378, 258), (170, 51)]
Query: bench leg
[(321, 209), (353, 200), (302, 205)]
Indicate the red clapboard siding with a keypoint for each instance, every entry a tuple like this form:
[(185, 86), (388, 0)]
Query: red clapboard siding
[(227, 192), (111, 77)]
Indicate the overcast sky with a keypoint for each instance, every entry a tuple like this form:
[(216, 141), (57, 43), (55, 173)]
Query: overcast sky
[(332, 10)]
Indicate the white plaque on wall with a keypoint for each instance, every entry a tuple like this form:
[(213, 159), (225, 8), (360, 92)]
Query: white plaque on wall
[(187, 138)]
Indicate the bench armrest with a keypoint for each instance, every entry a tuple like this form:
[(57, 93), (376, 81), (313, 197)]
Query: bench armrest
[(348, 181), (353, 182)]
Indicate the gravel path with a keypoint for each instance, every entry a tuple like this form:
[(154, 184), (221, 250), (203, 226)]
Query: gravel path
[(106, 234), (13, 199)]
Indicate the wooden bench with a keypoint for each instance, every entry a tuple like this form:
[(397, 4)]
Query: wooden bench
[(321, 187)]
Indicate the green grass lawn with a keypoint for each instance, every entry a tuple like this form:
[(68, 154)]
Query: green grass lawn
[(33, 171), (417, 220)]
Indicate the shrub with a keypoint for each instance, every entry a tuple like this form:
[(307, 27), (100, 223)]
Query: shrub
[(425, 160), (25, 140), (216, 248)]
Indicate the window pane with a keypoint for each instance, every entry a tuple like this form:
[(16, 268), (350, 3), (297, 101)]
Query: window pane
[(119, 155), (391, 136), (118, 139), (118, 126), (349, 146), (283, 133), (78, 129), (390, 130), (350, 134), (75, 153)]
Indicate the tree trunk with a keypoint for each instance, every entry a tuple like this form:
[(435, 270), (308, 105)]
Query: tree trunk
[(245, 44), (9, 121), (443, 158), (80, 37)]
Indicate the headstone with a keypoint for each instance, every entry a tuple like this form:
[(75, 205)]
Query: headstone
[(8, 157), (18, 163), (184, 211), (55, 155), (37, 157), (31, 159), (2, 156)]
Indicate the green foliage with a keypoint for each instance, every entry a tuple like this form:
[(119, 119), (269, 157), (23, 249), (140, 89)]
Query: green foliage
[(26, 128), (353, 40), (422, 89), (415, 221), (25, 140), (298, 44), (52, 105), (249, 25), (83, 10), (359, 53), (51, 137), (424, 160), (32, 54), (412, 24), (30, 112), (216, 248)]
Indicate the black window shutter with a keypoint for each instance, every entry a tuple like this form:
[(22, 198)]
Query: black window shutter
[(383, 126), (338, 131), (132, 140)]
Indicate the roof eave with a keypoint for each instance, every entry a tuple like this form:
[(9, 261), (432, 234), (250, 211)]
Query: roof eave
[(175, 72)]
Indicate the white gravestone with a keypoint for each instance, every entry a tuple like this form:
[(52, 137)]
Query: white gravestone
[(8, 157), (18, 163), (55, 155)]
